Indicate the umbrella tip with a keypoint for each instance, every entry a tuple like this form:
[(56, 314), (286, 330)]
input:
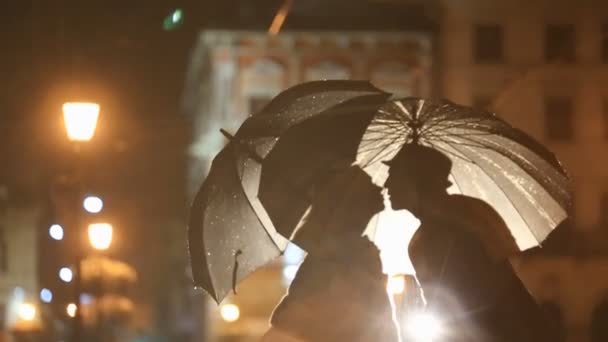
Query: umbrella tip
[(226, 134)]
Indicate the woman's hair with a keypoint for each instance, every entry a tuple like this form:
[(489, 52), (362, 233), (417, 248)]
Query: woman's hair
[(332, 199)]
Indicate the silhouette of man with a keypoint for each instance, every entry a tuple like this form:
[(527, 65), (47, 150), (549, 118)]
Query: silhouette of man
[(458, 254)]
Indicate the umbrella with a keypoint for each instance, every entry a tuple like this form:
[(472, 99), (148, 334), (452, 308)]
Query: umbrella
[(230, 234), (492, 161)]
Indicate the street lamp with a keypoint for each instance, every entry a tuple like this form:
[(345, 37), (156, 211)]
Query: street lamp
[(80, 120), (100, 235), (27, 312)]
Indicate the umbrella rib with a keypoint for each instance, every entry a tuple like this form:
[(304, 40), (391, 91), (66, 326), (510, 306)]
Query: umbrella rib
[(383, 152), (462, 157), (441, 128), (507, 196)]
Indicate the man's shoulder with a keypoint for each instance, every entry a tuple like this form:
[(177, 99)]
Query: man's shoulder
[(466, 205)]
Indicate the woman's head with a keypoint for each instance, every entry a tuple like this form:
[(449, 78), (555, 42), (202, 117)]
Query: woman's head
[(342, 202)]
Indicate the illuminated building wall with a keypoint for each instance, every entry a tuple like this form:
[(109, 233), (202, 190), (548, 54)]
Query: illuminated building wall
[(233, 74), (543, 66)]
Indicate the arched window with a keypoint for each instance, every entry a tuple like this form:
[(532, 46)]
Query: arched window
[(599, 322), (327, 70), (3, 252), (260, 82), (394, 77)]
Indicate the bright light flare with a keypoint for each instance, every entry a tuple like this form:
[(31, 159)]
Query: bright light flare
[(423, 327), (100, 235), (230, 312), (71, 310), (93, 204), (66, 274), (80, 120), (27, 311), (395, 285), (56, 232)]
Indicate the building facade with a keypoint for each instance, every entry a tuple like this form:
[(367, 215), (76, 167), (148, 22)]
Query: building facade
[(18, 258), (238, 72), (543, 66)]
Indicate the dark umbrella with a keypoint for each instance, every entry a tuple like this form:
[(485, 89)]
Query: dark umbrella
[(230, 234), (492, 161)]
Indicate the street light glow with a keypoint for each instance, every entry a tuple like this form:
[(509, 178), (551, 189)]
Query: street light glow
[(65, 274), (71, 310), (423, 327), (56, 232), (230, 312), (395, 284), (100, 235), (92, 204), (80, 120), (46, 296), (27, 312)]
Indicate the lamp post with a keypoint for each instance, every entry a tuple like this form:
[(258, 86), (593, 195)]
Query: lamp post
[(100, 238), (80, 119)]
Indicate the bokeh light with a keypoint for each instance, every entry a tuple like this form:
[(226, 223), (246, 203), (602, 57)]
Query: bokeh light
[(93, 204), (71, 310), (65, 274), (46, 295), (230, 312), (56, 232)]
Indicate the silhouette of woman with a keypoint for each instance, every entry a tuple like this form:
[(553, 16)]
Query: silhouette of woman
[(339, 292)]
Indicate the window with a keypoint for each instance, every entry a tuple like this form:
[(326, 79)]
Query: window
[(327, 70), (488, 44), (3, 252), (559, 118), (604, 211), (256, 103), (394, 77), (604, 43), (605, 119), (560, 44), (2, 316)]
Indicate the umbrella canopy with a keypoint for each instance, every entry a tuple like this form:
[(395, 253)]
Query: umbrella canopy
[(230, 233), (492, 161)]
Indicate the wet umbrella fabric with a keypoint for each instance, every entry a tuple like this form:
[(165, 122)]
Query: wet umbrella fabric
[(230, 234), (492, 161)]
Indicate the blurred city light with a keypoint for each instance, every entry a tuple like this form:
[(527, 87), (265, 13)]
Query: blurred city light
[(71, 310), (230, 312), (423, 327), (46, 296), (86, 299), (395, 285), (173, 20), (80, 120), (27, 311), (100, 235), (56, 232), (92, 204), (65, 274)]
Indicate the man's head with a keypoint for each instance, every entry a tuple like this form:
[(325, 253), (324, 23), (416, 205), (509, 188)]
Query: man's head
[(417, 174)]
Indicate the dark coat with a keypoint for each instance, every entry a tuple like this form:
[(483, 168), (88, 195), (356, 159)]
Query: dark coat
[(479, 297), (338, 296)]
